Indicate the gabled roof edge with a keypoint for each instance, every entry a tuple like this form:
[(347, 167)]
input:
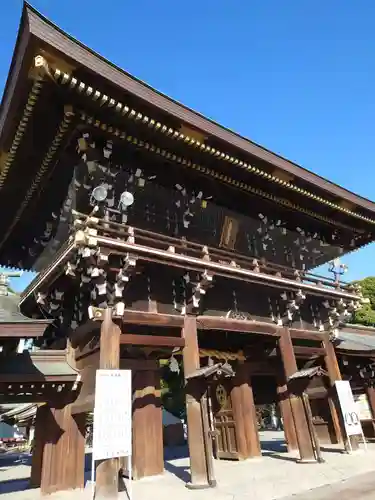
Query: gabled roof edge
[(43, 29), (20, 48)]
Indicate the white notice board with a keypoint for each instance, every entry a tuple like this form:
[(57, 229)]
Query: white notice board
[(349, 409), (363, 406), (112, 436)]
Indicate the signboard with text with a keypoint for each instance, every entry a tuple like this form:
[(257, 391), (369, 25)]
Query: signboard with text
[(112, 436), (363, 406), (349, 408)]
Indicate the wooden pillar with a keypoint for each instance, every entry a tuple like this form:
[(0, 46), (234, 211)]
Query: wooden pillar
[(334, 374), (38, 447), (286, 413), (59, 450), (107, 471), (148, 457), (244, 414), (304, 439), (370, 391), (194, 393)]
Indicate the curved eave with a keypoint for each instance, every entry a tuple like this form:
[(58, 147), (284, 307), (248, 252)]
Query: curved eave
[(38, 34), (70, 48), (29, 329)]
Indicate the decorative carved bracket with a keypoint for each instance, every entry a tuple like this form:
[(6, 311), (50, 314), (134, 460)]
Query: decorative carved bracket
[(91, 265), (200, 289), (340, 312), (123, 277), (293, 301)]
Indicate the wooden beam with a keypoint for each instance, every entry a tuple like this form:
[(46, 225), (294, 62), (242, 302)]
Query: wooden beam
[(296, 333), (151, 340), (91, 348), (152, 319), (302, 351), (24, 330), (107, 471), (235, 325), (36, 377)]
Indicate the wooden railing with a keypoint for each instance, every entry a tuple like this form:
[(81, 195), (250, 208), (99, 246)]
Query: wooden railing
[(200, 251)]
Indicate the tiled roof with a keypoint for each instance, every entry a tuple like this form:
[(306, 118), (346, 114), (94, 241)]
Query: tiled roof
[(353, 341), (19, 412), (39, 363), (315, 371), (10, 312)]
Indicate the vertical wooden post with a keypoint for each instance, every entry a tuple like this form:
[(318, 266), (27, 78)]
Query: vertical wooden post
[(304, 439), (147, 424), (194, 392), (244, 413), (107, 471), (38, 447), (59, 451), (239, 418), (286, 413), (334, 374), (370, 391)]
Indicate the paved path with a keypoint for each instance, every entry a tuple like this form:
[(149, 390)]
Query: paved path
[(361, 487), (275, 476)]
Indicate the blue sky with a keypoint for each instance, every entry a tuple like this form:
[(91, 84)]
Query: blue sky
[(295, 76)]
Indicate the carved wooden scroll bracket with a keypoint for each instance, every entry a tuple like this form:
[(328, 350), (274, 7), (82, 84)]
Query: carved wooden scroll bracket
[(292, 304), (339, 312)]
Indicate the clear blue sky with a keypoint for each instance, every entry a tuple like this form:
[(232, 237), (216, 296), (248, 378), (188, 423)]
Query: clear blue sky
[(295, 76)]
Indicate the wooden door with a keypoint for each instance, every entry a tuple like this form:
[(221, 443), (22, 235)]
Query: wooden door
[(225, 440)]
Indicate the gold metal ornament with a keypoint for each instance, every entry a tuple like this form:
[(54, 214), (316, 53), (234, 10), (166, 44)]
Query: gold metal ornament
[(221, 395)]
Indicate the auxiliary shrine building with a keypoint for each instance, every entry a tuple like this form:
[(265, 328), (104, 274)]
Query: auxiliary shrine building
[(159, 234)]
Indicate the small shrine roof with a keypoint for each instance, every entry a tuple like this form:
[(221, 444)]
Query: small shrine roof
[(10, 312), (19, 412), (38, 365), (12, 322), (315, 371)]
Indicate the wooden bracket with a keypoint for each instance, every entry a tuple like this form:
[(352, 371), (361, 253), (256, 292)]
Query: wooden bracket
[(96, 313), (3, 158), (52, 61)]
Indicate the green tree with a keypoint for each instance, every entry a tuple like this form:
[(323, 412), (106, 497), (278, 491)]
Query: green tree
[(366, 314)]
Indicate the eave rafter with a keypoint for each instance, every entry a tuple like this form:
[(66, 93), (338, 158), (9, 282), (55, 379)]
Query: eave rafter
[(7, 157), (133, 114), (42, 71), (122, 135), (62, 131)]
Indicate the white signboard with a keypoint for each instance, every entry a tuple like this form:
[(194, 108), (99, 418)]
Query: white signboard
[(363, 406), (112, 414), (349, 410)]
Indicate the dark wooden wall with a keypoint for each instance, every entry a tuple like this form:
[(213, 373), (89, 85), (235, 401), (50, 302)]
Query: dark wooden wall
[(166, 289), (180, 202)]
